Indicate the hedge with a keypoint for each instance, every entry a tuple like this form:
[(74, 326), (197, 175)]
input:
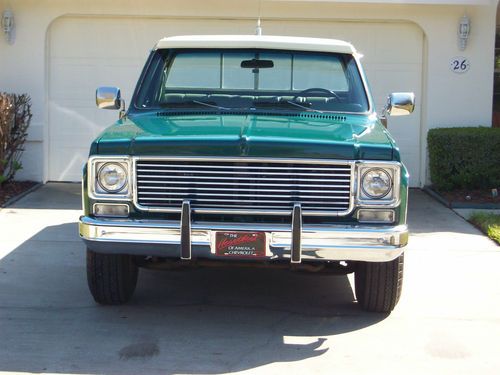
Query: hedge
[(464, 158)]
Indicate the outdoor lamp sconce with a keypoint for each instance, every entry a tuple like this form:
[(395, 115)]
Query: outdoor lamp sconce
[(463, 32), (8, 25)]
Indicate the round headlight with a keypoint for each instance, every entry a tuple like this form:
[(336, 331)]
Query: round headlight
[(376, 183), (112, 177)]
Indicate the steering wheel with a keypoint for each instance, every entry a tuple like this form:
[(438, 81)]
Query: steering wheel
[(331, 94)]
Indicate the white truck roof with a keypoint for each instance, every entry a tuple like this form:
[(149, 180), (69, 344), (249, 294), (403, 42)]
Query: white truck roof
[(256, 41)]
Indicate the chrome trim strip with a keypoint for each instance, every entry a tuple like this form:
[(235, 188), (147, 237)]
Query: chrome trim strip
[(349, 166), (364, 79), (318, 242), (244, 159)]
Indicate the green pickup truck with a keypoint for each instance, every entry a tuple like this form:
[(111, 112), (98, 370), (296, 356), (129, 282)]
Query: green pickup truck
[(256, 151)]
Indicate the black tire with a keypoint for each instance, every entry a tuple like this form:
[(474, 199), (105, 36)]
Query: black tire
[(111, 278), (378, 284)]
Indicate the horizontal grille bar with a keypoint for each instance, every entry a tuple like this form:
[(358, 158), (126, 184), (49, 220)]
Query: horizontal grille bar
[(160, 190), (246, 167), (241, 185), (247, 173), (234, 178), (194, 183), (245, 195), (221, 200)]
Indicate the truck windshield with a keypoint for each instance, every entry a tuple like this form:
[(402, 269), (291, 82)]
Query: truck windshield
[(251, 79)]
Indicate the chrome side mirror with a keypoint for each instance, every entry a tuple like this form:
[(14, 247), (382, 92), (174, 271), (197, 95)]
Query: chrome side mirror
[(108, 98), (400, 104)]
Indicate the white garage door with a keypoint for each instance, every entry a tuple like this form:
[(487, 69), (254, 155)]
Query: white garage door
[(86, 53)]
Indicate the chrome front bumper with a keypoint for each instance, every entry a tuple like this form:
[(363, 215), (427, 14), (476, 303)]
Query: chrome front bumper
[(296, 242)]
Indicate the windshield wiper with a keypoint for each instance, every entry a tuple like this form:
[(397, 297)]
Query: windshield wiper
[(186, 103), (287, 103), (219, 107), (282, 103), (211, 105), (303, 107)]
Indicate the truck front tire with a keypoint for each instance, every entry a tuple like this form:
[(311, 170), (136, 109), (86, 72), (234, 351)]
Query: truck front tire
[(378, 284), (111, 278)]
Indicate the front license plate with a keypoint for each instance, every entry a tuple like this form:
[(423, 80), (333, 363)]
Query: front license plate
[(240, 244)]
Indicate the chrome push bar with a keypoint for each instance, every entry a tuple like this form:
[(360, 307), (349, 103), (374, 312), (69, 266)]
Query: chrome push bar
[(186, 252), (296, 251)]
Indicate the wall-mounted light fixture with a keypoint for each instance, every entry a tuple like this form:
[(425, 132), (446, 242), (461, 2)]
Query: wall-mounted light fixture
[(463, 32), (8, 25)]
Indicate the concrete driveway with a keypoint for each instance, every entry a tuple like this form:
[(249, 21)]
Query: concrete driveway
[(211, 321)]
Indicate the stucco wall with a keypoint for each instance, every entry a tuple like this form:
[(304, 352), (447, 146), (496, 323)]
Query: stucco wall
[(448, 99)]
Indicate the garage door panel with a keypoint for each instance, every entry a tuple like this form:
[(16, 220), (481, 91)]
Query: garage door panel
[(397, 42), (83, 78), (76, 121), (69, 163), (89, 52), (385, 80), (95, 38)]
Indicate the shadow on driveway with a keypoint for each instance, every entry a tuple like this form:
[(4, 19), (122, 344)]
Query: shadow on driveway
[(202, 321)]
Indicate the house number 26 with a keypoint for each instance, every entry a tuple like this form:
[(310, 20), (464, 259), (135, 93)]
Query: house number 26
[(460, 64)]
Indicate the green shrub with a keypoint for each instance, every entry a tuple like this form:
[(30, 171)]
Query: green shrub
[(15, 117), (489, 224), (464, 158)]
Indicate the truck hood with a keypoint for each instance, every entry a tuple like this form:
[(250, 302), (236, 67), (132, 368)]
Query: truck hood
[(301, 135)]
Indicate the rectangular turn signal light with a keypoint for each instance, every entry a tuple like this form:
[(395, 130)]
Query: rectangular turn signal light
[(376, 216), (111, 210)]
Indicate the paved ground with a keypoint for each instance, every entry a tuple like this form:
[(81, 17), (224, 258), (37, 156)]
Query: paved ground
[(247, 321)]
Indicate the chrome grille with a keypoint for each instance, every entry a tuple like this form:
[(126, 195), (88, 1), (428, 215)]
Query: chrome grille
[(244, 185)]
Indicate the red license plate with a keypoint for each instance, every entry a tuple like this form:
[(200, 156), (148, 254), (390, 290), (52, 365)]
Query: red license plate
[(240, 244)]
